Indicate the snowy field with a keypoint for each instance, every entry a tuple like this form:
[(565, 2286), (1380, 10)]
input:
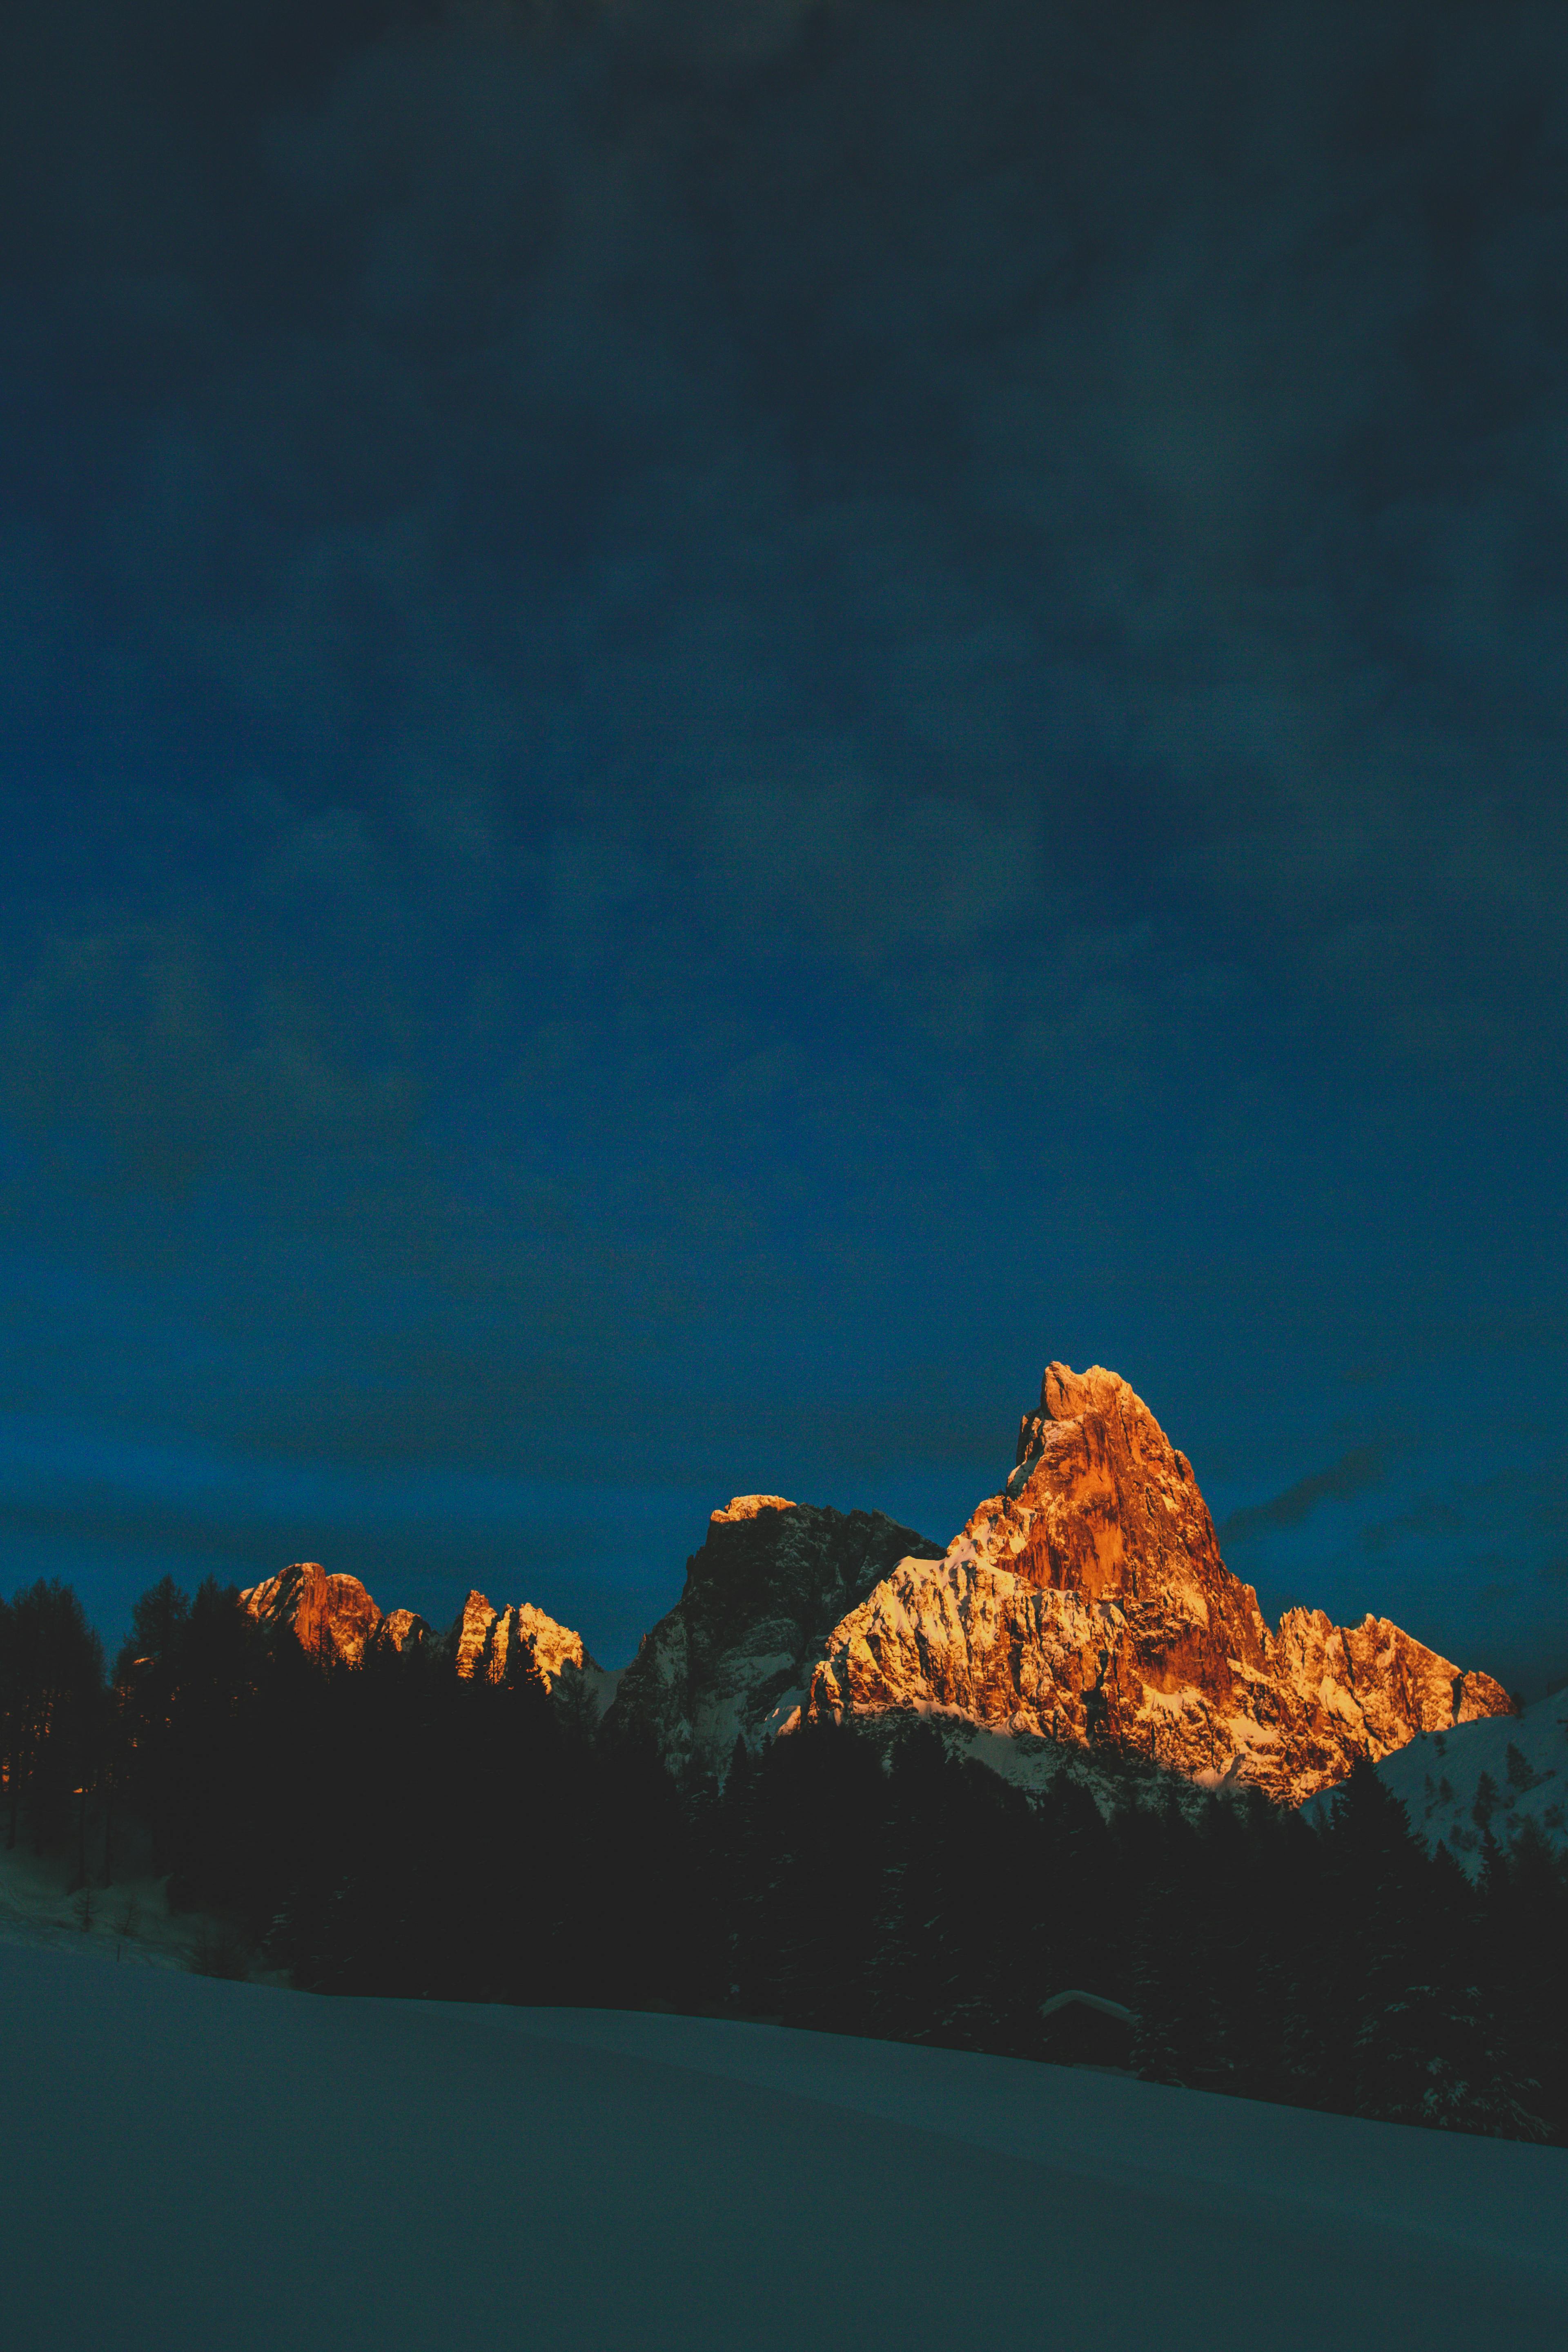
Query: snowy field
[(187, 2162), (39, 1904)]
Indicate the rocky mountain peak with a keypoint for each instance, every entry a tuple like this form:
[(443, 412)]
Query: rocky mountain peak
[(761, 1595), (1088, 1602), (335, 1616), (401, 1629), (1066, 1395), (481, 1636), (748, 1507), (1099, 1501), (329, 1615)]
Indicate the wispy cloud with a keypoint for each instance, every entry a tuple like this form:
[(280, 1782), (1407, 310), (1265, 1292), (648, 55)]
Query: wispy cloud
[(1361, 1467)]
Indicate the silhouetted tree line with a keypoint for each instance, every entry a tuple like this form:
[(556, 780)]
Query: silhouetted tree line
[(55, 1716), (394, 1829)]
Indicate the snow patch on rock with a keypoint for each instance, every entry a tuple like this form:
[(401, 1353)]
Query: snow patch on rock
[(1088, 1602)]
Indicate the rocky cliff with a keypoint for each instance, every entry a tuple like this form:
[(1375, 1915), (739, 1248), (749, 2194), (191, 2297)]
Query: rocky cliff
[(400, 1627), (734, 1655), (481, 1637), (332, 1616), (1088, 1602), (335, 1616)]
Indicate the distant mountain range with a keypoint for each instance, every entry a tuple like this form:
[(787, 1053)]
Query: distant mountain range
[(334, 1616), (1083, 1608)]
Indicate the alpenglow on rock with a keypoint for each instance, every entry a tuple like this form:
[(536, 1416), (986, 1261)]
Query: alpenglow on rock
[(331, 1616), (734, 1655), (1088, 1602), (481, 1638), (335, 1617)]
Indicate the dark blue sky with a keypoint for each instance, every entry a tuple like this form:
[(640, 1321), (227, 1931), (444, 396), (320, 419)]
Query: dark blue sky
[(718, 721)]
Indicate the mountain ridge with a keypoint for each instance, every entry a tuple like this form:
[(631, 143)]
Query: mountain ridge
[(335, 1616), (1084, 1605), (1088, 1602), (761, 1594)]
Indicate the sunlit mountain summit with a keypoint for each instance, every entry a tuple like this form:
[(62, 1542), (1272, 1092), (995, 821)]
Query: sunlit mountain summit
[(1083, 1607)]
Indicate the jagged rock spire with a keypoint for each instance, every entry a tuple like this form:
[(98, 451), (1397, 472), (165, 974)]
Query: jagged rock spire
[(1088, 1602)]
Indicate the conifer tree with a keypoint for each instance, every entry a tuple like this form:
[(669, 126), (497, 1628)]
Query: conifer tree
[(51, 1686), (396, 1828), (1439, 2058)]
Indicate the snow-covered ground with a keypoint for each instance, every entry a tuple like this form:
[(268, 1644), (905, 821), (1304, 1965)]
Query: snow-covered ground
[(1438, 1778), (41, 1906), (187, 2162)]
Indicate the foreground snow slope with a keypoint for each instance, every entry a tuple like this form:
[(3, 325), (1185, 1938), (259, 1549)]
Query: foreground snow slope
[(190, 2162)]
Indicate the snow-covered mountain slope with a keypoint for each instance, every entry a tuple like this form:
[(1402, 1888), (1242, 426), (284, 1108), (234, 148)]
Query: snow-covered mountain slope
[(188, 2162), (1088, 1602), (735, 1651), (1498, 1775)]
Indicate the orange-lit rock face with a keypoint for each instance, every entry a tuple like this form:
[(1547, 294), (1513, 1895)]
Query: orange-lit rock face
[(1087, 1601), (334, 1616), (768, 1585), (482, 1636), (331, 1616)]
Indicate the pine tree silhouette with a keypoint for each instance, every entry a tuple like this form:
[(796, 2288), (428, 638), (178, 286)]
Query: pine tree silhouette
[(51, 1701), (395, 1828)]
